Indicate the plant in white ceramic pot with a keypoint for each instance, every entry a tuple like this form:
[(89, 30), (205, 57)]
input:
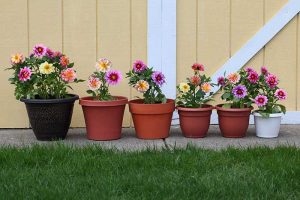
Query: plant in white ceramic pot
[(266, 96)]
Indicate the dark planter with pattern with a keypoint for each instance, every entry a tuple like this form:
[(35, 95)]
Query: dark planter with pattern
[(50, 118)]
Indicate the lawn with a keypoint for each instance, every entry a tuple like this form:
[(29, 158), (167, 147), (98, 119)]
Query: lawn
[(60, 172)]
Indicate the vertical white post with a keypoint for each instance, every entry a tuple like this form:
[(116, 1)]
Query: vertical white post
[(162, 41)]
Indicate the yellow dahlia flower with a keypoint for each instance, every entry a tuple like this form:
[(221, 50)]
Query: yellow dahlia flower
[(184, 87), (142, 86), (16, 58), (46, 68), (103, 65)]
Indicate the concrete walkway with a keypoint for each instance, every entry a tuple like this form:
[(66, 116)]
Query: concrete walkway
[(289, 136)]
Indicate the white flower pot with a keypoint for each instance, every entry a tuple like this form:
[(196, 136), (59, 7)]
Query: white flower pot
[(267, 127)]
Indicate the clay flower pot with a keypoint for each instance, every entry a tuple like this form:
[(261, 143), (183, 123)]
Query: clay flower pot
[(233, 122), (103, 119), (152, 121), (50, 118), (194, 122)]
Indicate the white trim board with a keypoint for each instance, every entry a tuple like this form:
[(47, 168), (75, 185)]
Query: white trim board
[(259, 40), (291, 117), (162, 41)]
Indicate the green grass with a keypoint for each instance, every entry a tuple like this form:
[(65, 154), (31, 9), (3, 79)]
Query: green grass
[(60, 172)]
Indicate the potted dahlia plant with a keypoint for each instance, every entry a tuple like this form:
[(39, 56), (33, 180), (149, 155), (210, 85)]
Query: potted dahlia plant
[(234, 114), (41, 82), (103, 113), (194, 113), (267, 117), (151, 115)]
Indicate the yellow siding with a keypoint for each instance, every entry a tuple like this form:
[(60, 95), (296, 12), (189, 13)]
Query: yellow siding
[(281, 53), (224, 26), (208, 31), (13, 38), (79, 43)]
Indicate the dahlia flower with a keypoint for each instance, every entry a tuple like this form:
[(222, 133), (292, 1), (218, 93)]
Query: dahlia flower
[(206, 87), (280, 94), (221, 81), (261, 100), (158, 78), (113, 77), (195, 80), (39, 50), (46, 68), (198, 67), (103, 65), (271, 80), (68, 75), (234, 77), (253, 76), (16, 58), (184, 87), (64, 61), (239, 91), (139, 66), (142, 86), (264, 70), (24, 74), (94, 83)]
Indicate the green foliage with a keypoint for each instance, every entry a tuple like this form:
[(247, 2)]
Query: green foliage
[(44, 86), (154, 93), (195, 96)]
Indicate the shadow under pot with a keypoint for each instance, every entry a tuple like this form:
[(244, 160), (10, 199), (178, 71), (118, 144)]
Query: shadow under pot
[(50, 119), (194, 122), (152, 121), (233, 122), (103, 119)]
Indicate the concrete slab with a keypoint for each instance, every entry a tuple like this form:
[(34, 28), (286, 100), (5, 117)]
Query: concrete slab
[(77, 136), (289, 136)]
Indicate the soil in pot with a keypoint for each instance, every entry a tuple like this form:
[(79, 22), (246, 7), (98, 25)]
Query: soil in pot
[(233, 122), (267, 127), (103, 119), (50, 118), (152, 121), (194, 122)]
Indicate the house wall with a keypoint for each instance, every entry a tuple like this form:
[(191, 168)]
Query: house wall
[(208, 31)]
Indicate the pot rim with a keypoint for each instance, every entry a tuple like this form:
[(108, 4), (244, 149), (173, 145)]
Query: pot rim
[(71, 98), (219, 107), (139, 102), (270, 116), (88, 101), (208, 108), (137, 106)]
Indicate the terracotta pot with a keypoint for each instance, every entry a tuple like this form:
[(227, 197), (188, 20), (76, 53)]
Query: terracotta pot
[(103, 119), (152, 121), (194, 122), (233, 122), (50, 118)]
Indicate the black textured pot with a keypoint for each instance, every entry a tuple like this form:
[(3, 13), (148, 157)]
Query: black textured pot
[(50, 118)]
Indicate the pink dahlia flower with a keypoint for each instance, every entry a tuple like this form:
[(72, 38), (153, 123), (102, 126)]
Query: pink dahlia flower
[(239, 91), (139, 66), (221, 81), (280, 94), (261, 100), (253, 76), (264, 70), (94, 83), (68, 75), (49, 53), (24, 74), (57, 54), (195, 80), (271, 80), (158, 78), (249, 69), (113, 77), (39, 50), (64, 61), (198, 67)]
